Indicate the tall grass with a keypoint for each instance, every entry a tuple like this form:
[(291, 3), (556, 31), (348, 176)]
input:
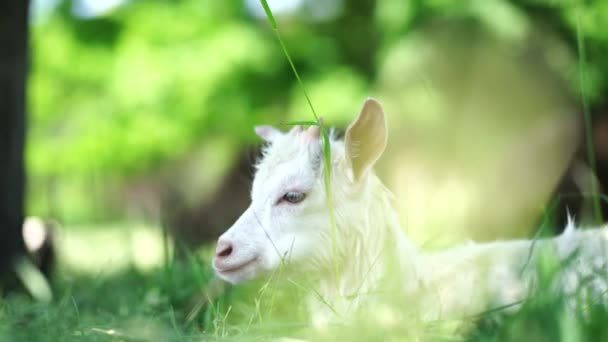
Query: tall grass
[(582, 70), (324, 136)]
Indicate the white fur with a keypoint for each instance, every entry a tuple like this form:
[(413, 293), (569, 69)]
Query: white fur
[(371, 249)]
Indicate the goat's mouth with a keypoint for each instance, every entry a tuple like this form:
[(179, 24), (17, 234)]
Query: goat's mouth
[(227, 270)]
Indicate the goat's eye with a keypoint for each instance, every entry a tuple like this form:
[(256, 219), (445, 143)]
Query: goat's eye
[(293, 197)]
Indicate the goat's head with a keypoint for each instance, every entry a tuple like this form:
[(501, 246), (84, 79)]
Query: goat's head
[(288, 220)]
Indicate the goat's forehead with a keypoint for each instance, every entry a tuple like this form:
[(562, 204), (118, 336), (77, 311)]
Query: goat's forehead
[(283, 161), (283, 150), (292, 161)]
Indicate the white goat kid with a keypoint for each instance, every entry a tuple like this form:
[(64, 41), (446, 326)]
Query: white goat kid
[(288, 222)]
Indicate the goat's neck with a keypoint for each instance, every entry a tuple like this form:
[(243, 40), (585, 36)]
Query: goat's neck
[(373, 247)]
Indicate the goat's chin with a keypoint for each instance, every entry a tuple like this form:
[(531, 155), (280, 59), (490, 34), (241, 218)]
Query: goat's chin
[(236, 278), (240, 275)]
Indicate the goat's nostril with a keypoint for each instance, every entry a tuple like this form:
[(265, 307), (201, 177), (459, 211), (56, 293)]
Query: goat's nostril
[(226, 252), (223, 249)]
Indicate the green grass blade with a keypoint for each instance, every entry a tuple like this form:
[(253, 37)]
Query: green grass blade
[(329, 195), (302, 123), (273, 23), (269, 15), (325, 136), (587, 118)]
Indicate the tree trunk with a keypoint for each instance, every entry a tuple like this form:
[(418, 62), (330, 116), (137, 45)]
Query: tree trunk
[(13, 70)]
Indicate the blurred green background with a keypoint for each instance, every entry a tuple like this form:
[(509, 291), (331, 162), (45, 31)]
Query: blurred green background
[(141, 118), (141, 112)]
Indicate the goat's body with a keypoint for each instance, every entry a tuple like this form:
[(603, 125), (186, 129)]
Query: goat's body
[(476, 277), (469, 279), (460, 281)]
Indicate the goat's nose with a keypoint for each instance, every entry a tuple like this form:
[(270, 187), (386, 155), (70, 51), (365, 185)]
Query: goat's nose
[(223, 249)]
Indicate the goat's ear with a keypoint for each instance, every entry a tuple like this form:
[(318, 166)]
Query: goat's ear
[(365, 138), (267, 133)]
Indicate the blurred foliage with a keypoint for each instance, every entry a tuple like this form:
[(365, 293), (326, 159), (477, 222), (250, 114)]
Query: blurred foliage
[(123, 93), (132, 91), (168, 92)]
